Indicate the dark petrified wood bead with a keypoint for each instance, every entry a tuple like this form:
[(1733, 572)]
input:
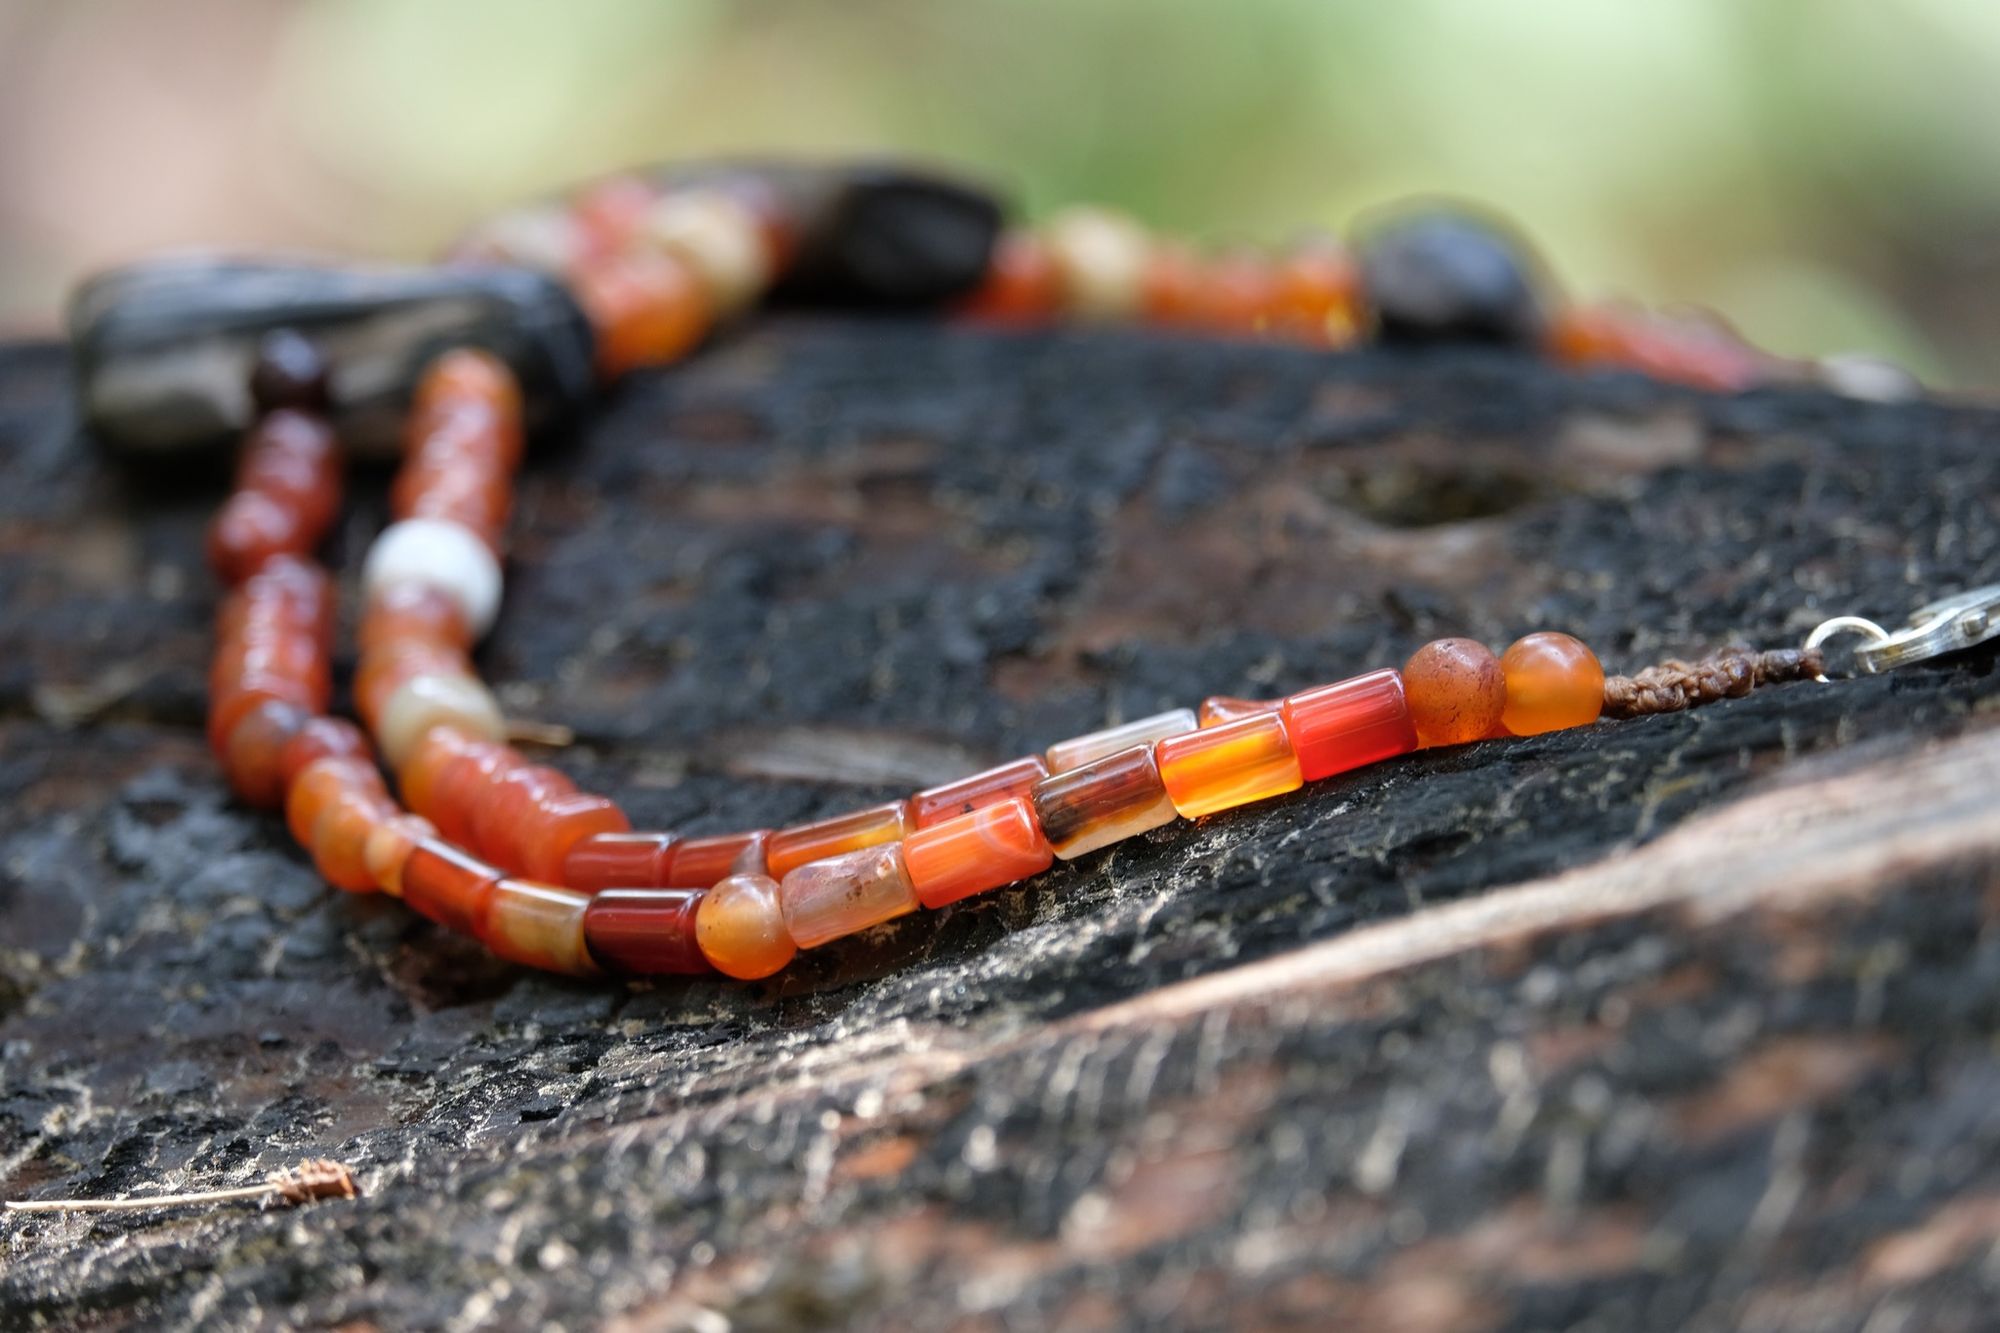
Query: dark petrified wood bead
[(165, 348), (1449, 276), (868, 233)]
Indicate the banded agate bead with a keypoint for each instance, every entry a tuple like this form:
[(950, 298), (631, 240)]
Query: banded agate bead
[(1350, 723), (989, 787), (976, 851), (537, 925), (1552, 681), (1095, 745), (793, 847), (824, 900), (1229, 765), (740, 926), (645, 931), (701, 862), (1455, 692), (1105, 801)]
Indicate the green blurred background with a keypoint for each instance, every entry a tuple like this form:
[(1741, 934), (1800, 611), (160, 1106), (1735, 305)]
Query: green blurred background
[(1824, 172)]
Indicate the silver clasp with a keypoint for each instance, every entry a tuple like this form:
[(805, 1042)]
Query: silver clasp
[(1944, 626)]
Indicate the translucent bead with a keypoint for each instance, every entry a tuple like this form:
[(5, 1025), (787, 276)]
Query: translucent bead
[(1349, 723), (253, 757), (1022, 284), (824, 900), (389, 847), (646, 932), (1230, 765), (793, 847), (559, 823), (1105, 801), (447, 885), (321, 738), (442, 554), (317, 786), (619, 861), (740, 927), (647, 307), (340, 834), (1553, 682), (1081, 750), (423, 702), (989, 787), (989, 847), (503, 810), (1220, 708), (1101, 257), (700, 862), (717, 236), (536, 925), (1455, 691)]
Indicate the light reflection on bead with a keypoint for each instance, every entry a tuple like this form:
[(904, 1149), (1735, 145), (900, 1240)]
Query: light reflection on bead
[(1081, 750)]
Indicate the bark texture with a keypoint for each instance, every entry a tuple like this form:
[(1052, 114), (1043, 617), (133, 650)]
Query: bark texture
[(1684, 1021)]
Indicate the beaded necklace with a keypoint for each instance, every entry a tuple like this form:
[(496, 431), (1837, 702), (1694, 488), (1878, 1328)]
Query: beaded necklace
[(486, 842)]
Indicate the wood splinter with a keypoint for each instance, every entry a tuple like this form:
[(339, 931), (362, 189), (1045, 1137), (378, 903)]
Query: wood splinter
[(313, 1178)]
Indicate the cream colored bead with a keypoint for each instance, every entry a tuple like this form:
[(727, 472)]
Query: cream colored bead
[(1101, 256), (719, 238), (423, 702), (544, 238), (440, 553)]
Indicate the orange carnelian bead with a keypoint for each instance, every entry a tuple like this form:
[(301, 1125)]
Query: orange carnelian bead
[(538, 925), (1317, 296), (254, 755), (1170, 292), (340, 835), (991, 846), (447, 885), (740, 927), (398, 612), (503, 810), (647, 307), (619, 861), (1219, 708), (1349, 723), (1455, 691), (1553, 681), (389, 847), (824, 900), (1237, 295), (558, 823), (320, 738), (1021, 286), (988, 787), (317, 787), (793, 847), (1092, 746), (1222, 767), (700, 862)]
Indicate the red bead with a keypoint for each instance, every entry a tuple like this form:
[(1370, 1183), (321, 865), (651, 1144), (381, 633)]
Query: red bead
[(646, 931), (988, 787), (561, 821), (701, 862), (1350, 723), (254, 758), (447, 885), (619, 861), (322, 738), (990, 847)]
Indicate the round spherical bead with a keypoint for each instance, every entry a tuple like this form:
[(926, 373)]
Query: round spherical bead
[(1553, 681), (718, 237), (1455, 691), (1102, 259), (423, 702), (289, 372), (444, 555), (740, 927)]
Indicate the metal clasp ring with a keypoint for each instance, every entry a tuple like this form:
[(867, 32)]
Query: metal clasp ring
[(1944, 626)]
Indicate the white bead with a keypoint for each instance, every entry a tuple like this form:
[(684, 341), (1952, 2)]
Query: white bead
[(423, 702), (719, 238), (443, 554), (1101, 256)]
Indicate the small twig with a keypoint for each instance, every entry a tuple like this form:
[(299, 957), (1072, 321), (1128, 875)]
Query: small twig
[(552, 734), (314, 1178)]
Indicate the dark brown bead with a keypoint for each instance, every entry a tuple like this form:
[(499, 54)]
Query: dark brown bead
[(289, 372), (645, 931)]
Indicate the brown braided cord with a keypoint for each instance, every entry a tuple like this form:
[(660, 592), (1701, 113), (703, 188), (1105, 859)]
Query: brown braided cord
[(1674, 685)]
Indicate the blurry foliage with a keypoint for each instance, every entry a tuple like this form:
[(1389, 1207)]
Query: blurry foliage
[(1824, 172)]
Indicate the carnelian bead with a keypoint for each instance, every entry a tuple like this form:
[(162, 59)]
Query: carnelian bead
[(1022, 284), (340, 835), (318, 787), (1220, 708), (1349, 723), (254, 754), (793, 847), (447, 885), (1234, 764), (1105, 801), (420, 774), (399, 612), (646, 307), (1171, 289), (646, 932), (536, 925), (1455, 691), (251, 529), (1553, 682), (700, 862), (561, 821), (985, 849), (988, 787), (1317, 296), (321, 738), (1237, 295), (502, 811), (1092, 746), (619, 861), (740, 926), (389, 847), (824, 900)]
